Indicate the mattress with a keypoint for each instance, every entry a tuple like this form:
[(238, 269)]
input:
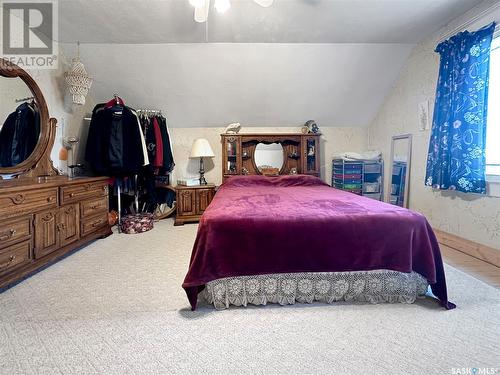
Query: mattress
[(260, 225)]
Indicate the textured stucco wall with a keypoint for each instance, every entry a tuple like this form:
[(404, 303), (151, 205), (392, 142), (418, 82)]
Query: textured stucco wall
[(333, 140), (471, 216)]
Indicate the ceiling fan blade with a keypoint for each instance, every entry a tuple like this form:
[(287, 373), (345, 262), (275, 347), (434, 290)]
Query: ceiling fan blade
[(264, 3), (201, 12)]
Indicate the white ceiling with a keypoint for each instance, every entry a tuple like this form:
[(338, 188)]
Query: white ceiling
[(286, 21), (328, 60)]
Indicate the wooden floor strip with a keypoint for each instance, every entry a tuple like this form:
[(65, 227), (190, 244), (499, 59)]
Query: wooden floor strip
[(475, 267)]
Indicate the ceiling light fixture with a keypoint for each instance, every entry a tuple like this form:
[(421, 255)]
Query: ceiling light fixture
[(264, 3), (222, 6), (202, 7), (196, 3)]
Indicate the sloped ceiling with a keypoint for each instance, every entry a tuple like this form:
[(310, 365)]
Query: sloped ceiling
[(286, 21), (255, 84), (332, 61)]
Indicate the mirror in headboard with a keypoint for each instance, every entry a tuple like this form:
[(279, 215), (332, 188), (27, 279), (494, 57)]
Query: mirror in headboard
[(268, 158), (26, 132)]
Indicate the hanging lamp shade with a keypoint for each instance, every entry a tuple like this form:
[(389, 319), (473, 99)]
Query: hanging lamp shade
[(78, 80)]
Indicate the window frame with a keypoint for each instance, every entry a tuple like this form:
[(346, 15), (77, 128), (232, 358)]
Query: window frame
[(494, 178)]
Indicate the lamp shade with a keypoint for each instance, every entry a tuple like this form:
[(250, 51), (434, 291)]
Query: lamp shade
[(201, 148), (78, 82)]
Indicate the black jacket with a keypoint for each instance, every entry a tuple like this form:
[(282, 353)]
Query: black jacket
[(19, 135), (114, 145), (168, 158)]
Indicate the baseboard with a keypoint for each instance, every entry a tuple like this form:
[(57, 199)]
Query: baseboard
[(474, 249)]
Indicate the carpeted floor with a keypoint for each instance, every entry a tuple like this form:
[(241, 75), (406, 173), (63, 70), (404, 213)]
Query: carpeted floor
[(117, 307)]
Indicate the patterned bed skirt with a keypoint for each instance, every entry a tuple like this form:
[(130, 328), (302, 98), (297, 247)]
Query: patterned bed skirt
[(288, 288)]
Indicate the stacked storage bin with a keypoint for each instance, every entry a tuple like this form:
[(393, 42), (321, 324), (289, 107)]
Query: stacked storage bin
[(348, 176), (362, 177)]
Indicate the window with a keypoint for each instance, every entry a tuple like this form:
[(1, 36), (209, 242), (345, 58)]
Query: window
[(493, 128)]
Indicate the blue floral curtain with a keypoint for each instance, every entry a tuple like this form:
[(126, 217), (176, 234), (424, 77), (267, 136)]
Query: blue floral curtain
[(456, 159)]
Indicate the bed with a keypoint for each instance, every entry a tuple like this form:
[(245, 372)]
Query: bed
[(290, 239)]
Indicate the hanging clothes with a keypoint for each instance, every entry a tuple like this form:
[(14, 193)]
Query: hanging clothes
[(158, 143), (19, 134), (158, 162), (159, 150), (168, 158), (115, 143)]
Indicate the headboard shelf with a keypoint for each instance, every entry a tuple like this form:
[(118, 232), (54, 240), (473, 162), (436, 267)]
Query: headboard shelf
[(300, 153)]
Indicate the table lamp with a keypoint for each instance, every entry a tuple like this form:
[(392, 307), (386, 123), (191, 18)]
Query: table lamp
[(201, 149)]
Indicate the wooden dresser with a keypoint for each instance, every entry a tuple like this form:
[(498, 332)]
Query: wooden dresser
[(192, 201), (42, 219)]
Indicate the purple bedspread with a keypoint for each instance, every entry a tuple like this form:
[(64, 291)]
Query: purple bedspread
[(263, 225)]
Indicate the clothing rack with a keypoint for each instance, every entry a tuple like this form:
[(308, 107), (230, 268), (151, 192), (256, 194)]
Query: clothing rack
[(145, 114), (149, 112), (140, 112), (25, 99)]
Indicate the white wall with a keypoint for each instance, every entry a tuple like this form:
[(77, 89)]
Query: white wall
[(69, 116), (471, 216), (256, 84), (334, 140)]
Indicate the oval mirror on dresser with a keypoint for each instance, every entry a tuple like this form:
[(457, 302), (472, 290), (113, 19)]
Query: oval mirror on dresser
[(43, 215), (27, 133)]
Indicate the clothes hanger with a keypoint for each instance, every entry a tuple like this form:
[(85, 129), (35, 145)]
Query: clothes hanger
[(116, 101)]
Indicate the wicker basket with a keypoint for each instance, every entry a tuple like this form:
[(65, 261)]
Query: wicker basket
[(137, 223)]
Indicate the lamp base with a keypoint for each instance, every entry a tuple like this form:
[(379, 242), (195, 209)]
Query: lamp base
[(202, 173)]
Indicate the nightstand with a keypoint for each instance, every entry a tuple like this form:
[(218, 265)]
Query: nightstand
[(192, 201)]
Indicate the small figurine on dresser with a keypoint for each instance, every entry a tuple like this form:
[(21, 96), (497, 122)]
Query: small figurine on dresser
[(233, 128), (310, 127)]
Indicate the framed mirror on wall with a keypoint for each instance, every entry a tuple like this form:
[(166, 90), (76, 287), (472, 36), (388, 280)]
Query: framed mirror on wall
[(400, 165)]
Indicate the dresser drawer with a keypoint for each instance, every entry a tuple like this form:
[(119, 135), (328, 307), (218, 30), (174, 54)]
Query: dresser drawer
[(12, 231), (92, 207), (28, 201), (75, 193), (91, 224), (15, 256)]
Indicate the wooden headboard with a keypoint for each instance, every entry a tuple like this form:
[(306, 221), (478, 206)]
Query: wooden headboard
[(301, 153)]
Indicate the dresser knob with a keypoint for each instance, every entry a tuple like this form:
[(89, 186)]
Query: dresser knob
[(96, 223), (6, 264), (7, 235)]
